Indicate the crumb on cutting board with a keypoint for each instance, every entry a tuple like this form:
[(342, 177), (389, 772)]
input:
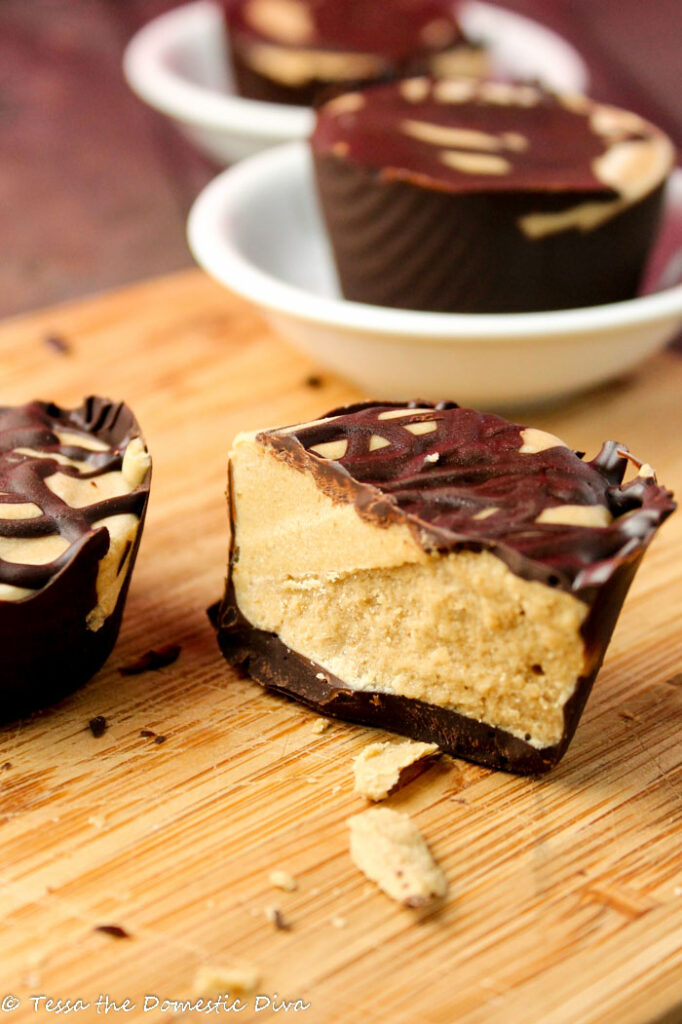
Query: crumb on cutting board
[(114, 930), (209, 981), (390, 850), (283, 880), (381, 768), (58, 343), (98, 726), (152, 660), (276, 918)]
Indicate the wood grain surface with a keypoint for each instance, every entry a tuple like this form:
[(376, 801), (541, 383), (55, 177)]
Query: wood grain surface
[(565, 903)]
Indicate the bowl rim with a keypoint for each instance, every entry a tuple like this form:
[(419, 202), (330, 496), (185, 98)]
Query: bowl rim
[(216, 250), (147, 71)]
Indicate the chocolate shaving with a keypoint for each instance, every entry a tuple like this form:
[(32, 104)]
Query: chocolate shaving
[(114, 930), (152, 660), (57, 343), (98, 726), (276, 918), (628, 716), (4, 767), (149, 734)]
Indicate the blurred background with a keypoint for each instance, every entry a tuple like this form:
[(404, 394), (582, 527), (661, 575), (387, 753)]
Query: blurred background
[(95, 187)]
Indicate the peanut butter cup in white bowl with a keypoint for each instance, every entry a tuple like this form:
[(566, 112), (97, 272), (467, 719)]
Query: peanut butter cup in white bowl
[(464, 196), (258, 230), (183, 63)]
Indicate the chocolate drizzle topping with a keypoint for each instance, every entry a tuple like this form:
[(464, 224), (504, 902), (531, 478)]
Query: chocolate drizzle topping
[(468, 463), (541, 144), (23, 479)]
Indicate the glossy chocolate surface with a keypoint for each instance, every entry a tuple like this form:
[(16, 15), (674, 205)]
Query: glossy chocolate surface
[(544, 143), (470, 463), (394, 29)]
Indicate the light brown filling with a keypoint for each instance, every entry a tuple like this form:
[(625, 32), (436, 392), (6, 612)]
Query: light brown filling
[(475, 163), (285, 21), (381, 767), (370, 606), (469, 62), (296, 67)]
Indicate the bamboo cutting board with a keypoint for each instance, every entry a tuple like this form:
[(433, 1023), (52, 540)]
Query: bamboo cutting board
[(565, 902)]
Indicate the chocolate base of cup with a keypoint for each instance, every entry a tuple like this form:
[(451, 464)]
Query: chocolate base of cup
[(48, 650), (408, 246)]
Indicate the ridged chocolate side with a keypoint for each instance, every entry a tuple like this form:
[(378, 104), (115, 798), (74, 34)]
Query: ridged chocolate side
[(409, 246), (47, 649)]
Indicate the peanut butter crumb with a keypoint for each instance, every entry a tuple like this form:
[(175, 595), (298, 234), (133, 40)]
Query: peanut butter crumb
[(382, 767), (283, 880), (209, 981), (390, 850)]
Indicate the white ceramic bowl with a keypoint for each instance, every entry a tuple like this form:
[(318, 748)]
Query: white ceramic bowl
[(179, 64), (257, 229)]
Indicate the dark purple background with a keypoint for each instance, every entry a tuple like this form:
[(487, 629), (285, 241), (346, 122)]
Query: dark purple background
[(95, 188)]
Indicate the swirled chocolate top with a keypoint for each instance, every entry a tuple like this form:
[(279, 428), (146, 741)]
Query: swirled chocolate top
[(63, 475), (391, 28), (461, 478), (460, 135)]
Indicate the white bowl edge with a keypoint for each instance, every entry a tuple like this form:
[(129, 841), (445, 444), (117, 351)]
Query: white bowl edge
[(489, 360), (223, 261)]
